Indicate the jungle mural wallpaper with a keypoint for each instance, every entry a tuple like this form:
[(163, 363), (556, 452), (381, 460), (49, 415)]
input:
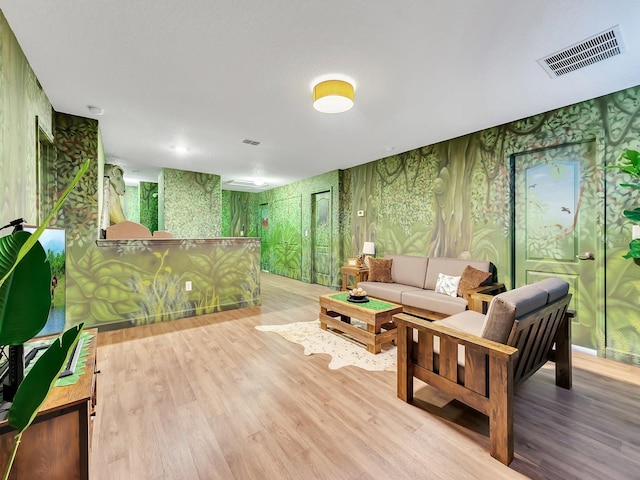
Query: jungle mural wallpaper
[(454, 198), (149, 205), (191, 203)]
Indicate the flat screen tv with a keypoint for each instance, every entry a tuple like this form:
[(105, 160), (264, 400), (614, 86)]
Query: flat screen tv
[(54, 244)]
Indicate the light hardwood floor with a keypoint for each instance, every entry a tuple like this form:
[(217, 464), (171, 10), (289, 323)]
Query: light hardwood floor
[(212, 398)]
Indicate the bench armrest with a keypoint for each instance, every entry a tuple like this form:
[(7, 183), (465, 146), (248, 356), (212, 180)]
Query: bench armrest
[(479, 298), (456, 336)]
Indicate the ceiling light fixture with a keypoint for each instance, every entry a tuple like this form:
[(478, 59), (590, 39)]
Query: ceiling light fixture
[(180, 149), (333, 96)]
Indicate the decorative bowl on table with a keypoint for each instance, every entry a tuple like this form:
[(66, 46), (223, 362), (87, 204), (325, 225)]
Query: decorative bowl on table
[(357, 295)]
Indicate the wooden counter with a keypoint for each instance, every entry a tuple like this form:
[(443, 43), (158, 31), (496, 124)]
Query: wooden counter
[(56, 445)]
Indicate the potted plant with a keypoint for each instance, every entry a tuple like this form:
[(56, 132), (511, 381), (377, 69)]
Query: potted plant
[(629, 162), (25, 298)]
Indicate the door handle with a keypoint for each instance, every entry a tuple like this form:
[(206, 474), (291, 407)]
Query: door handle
[(586, 256)]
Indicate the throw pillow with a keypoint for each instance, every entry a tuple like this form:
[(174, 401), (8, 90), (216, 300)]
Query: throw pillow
[(472, 278), (380, 270), (447, 284)]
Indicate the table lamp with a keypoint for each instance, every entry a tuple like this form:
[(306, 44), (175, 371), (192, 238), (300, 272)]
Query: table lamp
[(368, 248)]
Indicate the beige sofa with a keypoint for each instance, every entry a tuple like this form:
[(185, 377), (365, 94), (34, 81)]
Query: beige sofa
[(414, 283)]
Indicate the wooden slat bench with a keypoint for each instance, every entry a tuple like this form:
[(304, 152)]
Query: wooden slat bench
[(480, 359)]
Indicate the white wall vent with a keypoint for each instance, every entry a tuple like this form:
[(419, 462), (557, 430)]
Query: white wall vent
[(604, 45)]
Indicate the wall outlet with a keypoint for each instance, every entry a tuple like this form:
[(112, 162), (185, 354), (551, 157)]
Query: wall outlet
[(188, 286), (361, 213)]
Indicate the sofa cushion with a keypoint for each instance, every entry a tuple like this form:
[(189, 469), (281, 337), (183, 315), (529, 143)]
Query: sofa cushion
[(408, 270), (391, 292), (380, 270), (507, 306), (434, 302), (450, 266), (472, 278), (447, 284)]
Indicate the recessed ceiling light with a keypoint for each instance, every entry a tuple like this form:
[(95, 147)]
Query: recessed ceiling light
[(181, 149)]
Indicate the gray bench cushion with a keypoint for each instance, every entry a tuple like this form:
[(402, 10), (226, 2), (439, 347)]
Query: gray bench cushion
[(436, 302), (506, 307), (554, 287), (450, 266), (408, 270)]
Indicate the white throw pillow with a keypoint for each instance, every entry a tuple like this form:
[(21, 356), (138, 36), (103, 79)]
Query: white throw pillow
[(447, 284)]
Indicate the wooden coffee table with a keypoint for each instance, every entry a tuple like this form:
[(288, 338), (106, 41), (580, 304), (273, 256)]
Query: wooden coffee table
[(336, 312)]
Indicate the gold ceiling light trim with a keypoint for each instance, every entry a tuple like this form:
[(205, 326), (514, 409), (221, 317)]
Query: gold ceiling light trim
[(333, 96)]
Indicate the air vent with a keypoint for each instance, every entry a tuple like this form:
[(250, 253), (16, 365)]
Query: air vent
[(250, 142), (592, 50)]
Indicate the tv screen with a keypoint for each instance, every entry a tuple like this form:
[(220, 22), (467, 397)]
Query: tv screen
[(54, 244)]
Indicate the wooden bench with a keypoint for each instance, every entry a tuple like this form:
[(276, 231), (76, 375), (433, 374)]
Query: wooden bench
[(480, 359)]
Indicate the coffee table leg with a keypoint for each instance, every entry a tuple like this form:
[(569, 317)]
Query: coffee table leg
[(323, 311), (375, 348)]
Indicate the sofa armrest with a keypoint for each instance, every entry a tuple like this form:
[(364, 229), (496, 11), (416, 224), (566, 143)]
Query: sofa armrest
[(480, 298)]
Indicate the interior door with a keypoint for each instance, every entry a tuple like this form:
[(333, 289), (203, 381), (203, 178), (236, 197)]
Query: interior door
[(285, 238), (263, 230), (557, 227), (321, 238)]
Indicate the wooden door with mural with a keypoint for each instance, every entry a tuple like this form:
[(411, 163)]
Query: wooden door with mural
[(285, 239), (263, 232), (321, 238), (558, 228)]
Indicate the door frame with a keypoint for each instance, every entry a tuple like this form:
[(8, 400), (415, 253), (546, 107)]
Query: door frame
[(600, 246)]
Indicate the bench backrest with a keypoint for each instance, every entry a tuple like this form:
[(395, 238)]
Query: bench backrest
[(528, 318)]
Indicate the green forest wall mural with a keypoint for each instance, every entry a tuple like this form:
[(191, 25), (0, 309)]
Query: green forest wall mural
[(149, 205), (455, 198)]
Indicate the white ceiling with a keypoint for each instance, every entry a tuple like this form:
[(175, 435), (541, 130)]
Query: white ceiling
[(207, 74)]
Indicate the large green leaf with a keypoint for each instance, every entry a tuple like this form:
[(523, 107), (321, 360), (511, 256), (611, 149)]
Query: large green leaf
[(633, 215), (25, 295), (634, 249), (36, 386)]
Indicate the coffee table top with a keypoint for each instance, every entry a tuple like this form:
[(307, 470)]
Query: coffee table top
[(373, 304)]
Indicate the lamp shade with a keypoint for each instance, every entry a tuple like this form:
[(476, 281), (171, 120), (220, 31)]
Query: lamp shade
[(333, 96), (369, 248)]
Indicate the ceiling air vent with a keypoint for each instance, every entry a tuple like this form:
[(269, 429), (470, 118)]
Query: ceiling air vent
[(592, 50)]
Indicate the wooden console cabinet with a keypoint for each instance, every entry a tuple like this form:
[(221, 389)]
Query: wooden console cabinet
[(56, 445)]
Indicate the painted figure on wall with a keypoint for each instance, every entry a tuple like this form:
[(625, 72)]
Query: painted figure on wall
[(116, 190)]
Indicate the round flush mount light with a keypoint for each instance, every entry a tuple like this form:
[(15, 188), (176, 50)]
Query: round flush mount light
[(333, 96)]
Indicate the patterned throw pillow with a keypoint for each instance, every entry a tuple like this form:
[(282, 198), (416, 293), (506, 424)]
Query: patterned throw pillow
[(380, 270), (447, 284), (472, 278)]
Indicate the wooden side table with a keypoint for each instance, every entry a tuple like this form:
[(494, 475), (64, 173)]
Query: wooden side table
[(360, 274)]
